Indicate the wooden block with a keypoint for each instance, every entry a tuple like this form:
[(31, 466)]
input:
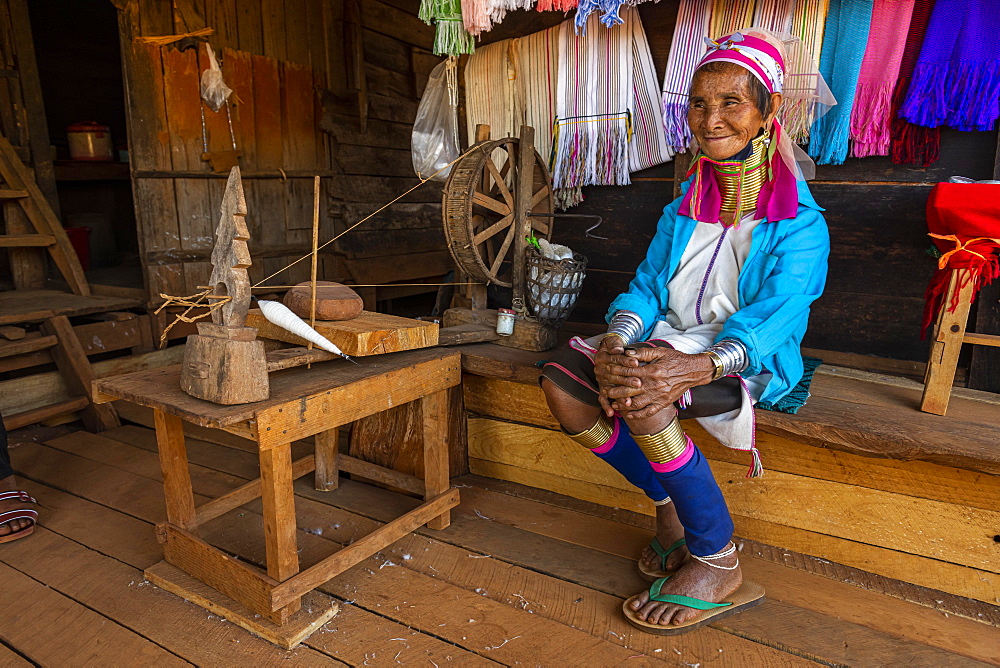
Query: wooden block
[(468, 333), (279, 512), (12, 333), (334, 301), (527, 335), (227, 332), (225, 371), (368, 334), (317, 611), (289, 358)]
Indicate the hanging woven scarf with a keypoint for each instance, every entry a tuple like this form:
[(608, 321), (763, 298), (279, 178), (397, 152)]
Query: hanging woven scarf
[(913, 144), (774, 15), (648, 147), (847, 28), (450, 36), (537, 67), (686, 49), (728, 16), (490, 91), (870, 117), (809, 24), (594, 122), (957, 79), (556, 5)]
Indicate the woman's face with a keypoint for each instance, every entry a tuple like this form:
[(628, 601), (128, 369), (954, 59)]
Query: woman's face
[(722, 112)]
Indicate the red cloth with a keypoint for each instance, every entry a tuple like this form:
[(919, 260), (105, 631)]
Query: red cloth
[(963, 219)]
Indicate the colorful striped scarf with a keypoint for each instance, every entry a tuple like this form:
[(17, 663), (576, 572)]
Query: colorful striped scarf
[(593, 121), (648, 147), (537, 67), (728, 16), (809, 24), (774, 15), (957, 79), (847, 28), (870, 118), (686, 50), (913, 144)]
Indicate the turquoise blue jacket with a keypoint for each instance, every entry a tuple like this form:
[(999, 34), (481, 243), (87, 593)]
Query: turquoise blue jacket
[(781, 277)]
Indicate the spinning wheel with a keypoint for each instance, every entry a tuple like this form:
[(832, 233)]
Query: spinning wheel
[(493, 199)]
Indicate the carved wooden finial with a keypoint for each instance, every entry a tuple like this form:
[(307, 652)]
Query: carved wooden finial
[(231, 257)]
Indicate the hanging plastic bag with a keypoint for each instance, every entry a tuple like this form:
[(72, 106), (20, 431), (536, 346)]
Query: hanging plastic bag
[(435, 131), (214, 90)]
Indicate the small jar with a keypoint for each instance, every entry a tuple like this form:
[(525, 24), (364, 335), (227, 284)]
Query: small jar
[(505, 321)]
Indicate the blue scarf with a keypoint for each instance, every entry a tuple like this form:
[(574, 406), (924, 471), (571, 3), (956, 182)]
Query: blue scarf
[(957, 78), (844, 42)]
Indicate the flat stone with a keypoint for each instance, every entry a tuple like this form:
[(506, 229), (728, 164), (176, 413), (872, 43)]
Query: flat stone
[(334, 301)]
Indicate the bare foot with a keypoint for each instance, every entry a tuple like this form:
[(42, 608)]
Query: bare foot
[(693, 579), (668, 531), (9, 484)]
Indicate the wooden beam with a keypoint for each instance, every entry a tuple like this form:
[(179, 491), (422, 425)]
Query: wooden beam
[(176, 474), (327, 460), (246, 493), (380, 474), (381, 538), (279, 513), (217, 569), (435, 426), (949, 331), (26, 240), (18, 420), (72, 362), (25, 346)]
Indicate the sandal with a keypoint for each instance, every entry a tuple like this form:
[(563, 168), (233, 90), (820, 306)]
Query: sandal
[(22, 514), (748, 595), (662, 572)]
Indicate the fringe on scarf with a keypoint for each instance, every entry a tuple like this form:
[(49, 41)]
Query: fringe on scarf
[(450, 36), (591, 152), (870, 122), (912, 144), (961, 95), (980, 273), (556, 5)]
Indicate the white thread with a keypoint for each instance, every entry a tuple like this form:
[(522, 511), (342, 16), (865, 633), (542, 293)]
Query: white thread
[(720, 555), (663, 502), (724, 568)]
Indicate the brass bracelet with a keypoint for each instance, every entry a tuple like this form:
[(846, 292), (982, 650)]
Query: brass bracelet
[(665, 446), (717, 362)]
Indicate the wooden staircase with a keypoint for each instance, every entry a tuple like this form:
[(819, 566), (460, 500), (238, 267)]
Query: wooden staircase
[(31, 223)]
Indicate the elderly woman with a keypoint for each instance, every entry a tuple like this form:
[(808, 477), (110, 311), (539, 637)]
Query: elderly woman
[(711, 324)]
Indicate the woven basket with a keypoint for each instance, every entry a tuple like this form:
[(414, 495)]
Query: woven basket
[(553, 285)]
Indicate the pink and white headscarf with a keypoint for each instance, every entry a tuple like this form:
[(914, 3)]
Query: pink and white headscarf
[(760, 53)]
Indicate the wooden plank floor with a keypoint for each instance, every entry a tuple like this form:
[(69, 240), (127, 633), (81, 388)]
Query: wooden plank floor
[(519, 578)]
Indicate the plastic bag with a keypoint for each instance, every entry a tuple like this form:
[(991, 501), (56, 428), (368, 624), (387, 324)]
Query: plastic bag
[(214, 90), (435, 131)]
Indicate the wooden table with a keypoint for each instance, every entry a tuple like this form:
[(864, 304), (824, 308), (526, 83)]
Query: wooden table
[(303, 402)]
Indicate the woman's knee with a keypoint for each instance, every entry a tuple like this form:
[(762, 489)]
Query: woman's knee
[(574, 415)]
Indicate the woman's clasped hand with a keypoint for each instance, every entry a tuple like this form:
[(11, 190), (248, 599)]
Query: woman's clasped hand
[(640, 382)]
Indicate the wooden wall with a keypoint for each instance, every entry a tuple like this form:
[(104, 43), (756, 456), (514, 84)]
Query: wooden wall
[(354, 69), (879, 267)]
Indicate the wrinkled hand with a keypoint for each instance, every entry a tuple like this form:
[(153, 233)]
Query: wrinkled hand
[(610, 353), (644, 381)]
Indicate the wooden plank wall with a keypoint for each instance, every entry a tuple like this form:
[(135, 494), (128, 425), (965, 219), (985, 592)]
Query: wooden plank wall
[(388, 44), (296, 66), (879, 267)]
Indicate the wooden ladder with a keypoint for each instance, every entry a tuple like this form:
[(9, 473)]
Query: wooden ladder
[(22, 199)]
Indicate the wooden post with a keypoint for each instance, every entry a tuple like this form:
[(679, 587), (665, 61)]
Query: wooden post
[(984, 365), (174, 465), (74, 366), (948, 334), (327, 469), (279, 512), (436, 482), (28, 269), (525, 176)]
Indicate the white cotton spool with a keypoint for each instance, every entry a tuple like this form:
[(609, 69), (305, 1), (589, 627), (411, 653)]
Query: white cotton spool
[(280, 315)]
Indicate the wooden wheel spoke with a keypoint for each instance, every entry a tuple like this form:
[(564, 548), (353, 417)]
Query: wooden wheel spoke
[(504, 190), (502, 252), (538, 197), (493, 229), (488, 202)]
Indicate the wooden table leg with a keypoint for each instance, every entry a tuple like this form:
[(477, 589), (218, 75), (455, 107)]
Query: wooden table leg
[(436, 480), (327, 470), (949, 330), (176, 475), (279, 512)]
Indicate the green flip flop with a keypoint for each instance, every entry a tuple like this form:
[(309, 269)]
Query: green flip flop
[(662, 572), (748, 595)]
